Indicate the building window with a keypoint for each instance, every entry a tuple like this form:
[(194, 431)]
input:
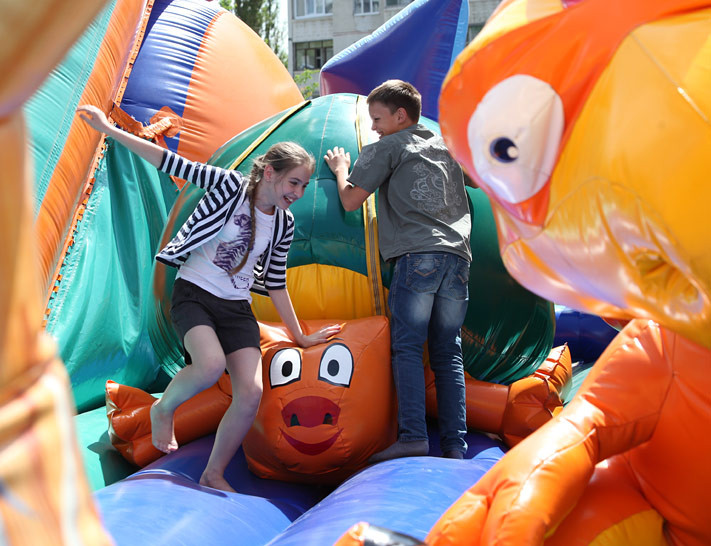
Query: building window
[(396, 3), (366, 6), (312, 55), (309, 8)]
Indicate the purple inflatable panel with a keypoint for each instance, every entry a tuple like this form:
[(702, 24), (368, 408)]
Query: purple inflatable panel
[(418, 45)]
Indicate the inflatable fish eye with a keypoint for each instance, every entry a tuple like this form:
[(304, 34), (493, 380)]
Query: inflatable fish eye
[(513, 137)]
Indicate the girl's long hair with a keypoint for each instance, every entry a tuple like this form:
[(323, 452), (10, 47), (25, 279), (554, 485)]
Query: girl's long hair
[(282, 156)]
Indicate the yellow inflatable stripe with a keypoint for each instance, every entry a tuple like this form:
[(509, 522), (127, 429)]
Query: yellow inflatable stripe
[(311, 289), (370, 221), (642, 529), (273, 127)]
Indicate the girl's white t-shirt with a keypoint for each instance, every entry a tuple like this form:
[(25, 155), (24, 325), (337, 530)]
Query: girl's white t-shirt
[(209, 265)]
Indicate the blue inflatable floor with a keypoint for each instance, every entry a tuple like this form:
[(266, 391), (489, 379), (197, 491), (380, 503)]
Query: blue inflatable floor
[(163, 503)]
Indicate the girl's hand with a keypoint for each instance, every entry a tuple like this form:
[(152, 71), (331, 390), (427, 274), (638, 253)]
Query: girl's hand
[(319, 337), (94, 117)]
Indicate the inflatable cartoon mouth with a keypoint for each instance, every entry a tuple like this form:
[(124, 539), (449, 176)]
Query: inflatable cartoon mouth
[(310, 412)]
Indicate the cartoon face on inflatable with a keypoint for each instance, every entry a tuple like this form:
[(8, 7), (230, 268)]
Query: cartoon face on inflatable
[(325, 409), (595, 152)]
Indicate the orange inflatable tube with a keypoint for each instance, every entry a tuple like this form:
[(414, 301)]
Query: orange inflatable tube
[(593, 474), (128, 410), (514, 411), (70, 185), (511, 411)]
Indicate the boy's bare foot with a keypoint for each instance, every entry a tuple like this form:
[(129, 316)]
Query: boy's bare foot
[(402, 449), (216, 481), (162, 433)]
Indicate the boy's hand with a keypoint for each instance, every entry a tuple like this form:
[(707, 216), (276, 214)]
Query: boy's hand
[(338, 160), (352, 197), (94, 117)]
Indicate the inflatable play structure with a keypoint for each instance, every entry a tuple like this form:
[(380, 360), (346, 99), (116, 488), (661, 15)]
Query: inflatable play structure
[(45, 498), (100, 213), (434, 32), (101, 286), (598, 176), (332, 246)]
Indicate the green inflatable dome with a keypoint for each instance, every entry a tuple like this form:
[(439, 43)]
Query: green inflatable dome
[(334, 268)]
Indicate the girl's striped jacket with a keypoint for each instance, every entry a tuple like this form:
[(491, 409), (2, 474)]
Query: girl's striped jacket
[(225, 191)]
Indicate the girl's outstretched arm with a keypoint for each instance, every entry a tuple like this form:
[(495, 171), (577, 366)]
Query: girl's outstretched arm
[(283, 305), (96, 119)]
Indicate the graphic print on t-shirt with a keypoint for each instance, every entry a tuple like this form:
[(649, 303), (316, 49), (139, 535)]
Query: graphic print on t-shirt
[(229, 254), (430, 193)]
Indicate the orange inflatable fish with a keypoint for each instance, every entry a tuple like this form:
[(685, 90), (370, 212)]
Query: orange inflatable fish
[(587, 124)]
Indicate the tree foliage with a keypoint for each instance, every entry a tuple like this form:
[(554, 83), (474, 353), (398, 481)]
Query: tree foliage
[(307, 80), (262, 16)]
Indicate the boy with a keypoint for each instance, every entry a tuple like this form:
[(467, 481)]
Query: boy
[(424, 226)]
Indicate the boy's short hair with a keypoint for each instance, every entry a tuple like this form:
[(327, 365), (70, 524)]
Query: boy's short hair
[(396, 94)]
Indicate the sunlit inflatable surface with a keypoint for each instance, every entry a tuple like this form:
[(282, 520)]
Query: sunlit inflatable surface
[(597, 172), (45, 496), (100, 213), (587, 125)]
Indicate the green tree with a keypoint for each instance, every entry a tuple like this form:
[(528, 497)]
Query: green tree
[(308, 82), (262, 16)]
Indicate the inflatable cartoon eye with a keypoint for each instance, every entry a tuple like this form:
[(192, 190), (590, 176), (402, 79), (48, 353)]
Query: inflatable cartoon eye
[(336, 365), (514, 135), (504, 149), (285, 367)]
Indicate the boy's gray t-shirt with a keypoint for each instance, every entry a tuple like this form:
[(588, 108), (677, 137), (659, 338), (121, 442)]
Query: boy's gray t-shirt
[(422, 203)]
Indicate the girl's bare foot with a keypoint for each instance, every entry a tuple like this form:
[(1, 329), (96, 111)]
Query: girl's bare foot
[(216, 481), (162, 433)]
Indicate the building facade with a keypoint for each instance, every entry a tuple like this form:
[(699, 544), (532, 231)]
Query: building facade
[(318, 29)]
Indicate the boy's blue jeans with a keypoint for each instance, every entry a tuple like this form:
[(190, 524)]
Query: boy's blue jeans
[(428, 302)]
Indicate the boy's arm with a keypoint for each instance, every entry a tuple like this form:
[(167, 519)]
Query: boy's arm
[(96, 119), (339, 161), (283, 305)]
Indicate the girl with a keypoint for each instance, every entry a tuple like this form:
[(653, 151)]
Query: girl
[(240, 230)]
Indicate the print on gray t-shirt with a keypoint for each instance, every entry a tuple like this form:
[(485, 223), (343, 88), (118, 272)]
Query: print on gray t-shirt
[(422, 203)]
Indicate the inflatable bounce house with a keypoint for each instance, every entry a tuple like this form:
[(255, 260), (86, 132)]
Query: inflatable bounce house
[(587, 124), (104, 342)]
